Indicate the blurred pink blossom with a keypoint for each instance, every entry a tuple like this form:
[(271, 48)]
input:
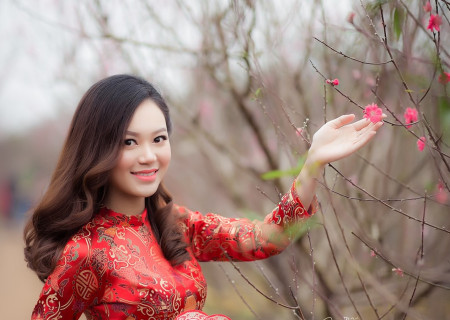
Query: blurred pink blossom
[(356, 74), (334, 82), (351, 17), (206, 112), (444, 77), (421, 143), (434, 22), (442, 194), (398, 271), (371, 81)]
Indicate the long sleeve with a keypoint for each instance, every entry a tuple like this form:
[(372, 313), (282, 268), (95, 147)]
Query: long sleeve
[(73, 286), (214, 237)]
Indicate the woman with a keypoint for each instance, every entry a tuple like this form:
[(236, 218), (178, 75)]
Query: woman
[(106, 238)]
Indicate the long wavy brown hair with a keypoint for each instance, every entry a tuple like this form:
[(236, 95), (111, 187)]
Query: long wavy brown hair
[(80, 180)]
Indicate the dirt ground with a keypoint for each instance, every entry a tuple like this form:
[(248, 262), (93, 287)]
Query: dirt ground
[(19, 286)]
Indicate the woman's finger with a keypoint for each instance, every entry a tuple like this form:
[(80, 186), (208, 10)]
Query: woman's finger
[(342, 120), (360, 124)]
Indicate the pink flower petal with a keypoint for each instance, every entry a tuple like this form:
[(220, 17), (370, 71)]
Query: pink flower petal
[(410, 115), (373, 113), (444, 77), (434, 22), (398, 271), (421, 143)]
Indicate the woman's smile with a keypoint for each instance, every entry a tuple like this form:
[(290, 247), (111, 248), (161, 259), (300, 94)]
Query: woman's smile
[(146, 175)]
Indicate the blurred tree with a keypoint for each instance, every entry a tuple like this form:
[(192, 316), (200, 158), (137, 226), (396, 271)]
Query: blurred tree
[(242, 77)]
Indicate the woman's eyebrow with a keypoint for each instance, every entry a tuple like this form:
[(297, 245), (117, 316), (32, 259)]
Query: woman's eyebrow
[(136, 134)]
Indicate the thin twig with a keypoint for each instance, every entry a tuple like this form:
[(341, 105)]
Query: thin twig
[(386, 204), (350, 252), (348, 57), (340, 273), (393, 265), (420, 262), (237, 291), (394, 305), (297, 312), (369, 200), (313, 264), (257, 289)]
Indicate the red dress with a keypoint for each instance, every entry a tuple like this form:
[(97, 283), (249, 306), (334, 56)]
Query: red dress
[(113, 267)]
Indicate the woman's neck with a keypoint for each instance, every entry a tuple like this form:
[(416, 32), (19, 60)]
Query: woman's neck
[(130, 207)]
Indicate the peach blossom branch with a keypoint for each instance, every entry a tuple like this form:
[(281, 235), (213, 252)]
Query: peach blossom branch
[(348, 57), (339, 271), (386, 204), (238, 292), (393, 265), (256, 288), (349, 251)]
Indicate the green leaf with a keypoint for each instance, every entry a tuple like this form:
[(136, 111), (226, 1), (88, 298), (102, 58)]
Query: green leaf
[(244, 55), (297, 230), (257, 94), (275, 174), (399, 16), (374, 6), (251, 215)]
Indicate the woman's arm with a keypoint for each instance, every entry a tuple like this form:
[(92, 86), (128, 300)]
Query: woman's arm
[(335, 140), (214, 237)]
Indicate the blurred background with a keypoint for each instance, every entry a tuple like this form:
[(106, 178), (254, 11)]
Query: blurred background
[(241, 77)]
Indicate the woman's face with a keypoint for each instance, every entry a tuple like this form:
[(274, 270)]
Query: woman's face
[(143, 160)]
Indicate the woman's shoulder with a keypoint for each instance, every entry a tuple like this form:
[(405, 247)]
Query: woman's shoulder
[(185, 214), (87, 242)]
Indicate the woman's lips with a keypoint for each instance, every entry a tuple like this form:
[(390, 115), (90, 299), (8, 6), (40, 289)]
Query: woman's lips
[(145, 175)]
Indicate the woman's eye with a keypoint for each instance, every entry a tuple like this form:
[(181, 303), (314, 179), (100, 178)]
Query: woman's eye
[(130, 142), (160, 139)]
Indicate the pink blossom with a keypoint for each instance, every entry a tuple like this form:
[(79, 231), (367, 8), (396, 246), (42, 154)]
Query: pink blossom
[(410, 116), (350, 17), (298, 132), (356, 74), (206, 112), (434, 22), (372, 253), (371, 81), (427, 7), (334, 82), (444, 77), (421, 143), (373, 113), (441, 195), (398, 271)]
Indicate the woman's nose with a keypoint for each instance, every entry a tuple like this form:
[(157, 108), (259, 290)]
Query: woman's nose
[(147, 155)]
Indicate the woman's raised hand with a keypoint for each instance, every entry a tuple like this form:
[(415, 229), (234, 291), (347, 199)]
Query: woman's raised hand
[(339, 138)]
